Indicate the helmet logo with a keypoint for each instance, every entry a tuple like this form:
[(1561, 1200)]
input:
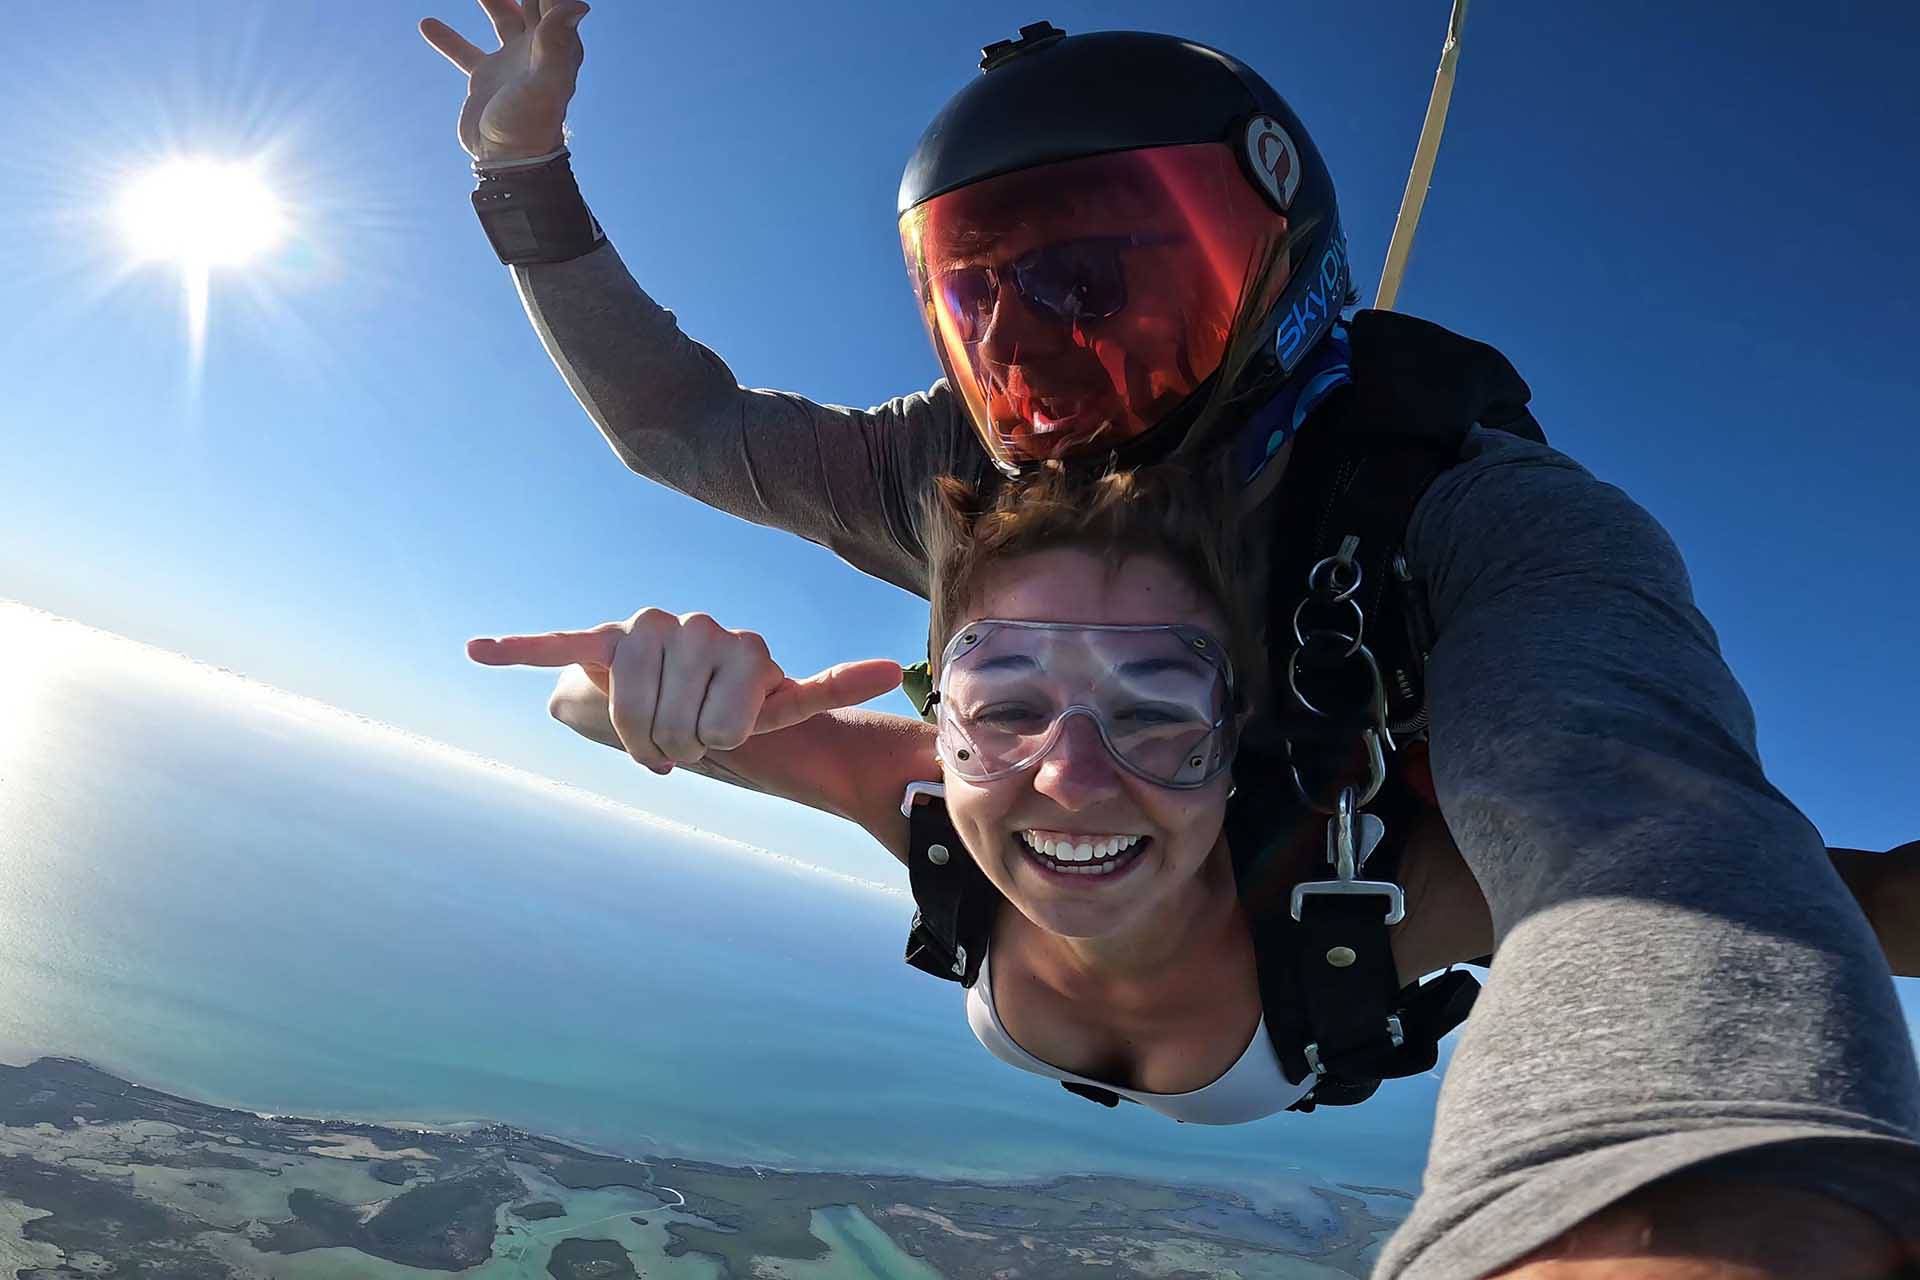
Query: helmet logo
[(1274, 160)]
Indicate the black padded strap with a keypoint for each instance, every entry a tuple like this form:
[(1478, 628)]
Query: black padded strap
[(1352, 992), (955, 902), (1434, 1008), (1328, 980), (1421, 378), (1092, 1093)]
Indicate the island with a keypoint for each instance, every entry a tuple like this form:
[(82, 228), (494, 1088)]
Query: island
[(102, 1176)]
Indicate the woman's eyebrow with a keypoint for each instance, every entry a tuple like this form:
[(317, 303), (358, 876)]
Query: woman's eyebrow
[(1155, 666), (1007, 662)]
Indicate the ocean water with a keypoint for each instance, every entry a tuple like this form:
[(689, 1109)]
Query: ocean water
[(228, 892)]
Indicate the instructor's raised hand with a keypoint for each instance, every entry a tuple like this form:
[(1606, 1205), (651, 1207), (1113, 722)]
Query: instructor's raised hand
[(679, 687), (517, 96)]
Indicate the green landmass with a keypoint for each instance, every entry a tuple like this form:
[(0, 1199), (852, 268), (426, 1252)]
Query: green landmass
[(99, 1176), (392, 1172), (101, 1216), (444, 1225), (1361, 1189), (577, 1259), (578, 1173)]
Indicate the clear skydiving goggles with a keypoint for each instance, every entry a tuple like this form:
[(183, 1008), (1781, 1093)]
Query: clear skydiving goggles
[(1161, 698)]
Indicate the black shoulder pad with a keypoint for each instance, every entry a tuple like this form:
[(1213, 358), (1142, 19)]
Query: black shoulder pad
[(1420, 377)]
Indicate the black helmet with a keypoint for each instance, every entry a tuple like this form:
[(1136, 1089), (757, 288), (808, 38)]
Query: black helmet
[(1162, 218)]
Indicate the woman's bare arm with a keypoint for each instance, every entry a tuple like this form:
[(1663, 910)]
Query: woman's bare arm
[(853, 764)]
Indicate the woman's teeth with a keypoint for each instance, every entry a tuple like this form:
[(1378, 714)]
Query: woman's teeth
[(1083, 855)]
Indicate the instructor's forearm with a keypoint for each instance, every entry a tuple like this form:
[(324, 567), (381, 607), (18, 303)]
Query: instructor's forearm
[(658, 398), (673, 411)]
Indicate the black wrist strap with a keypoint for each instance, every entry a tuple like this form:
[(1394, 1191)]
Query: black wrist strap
[(535, 214)]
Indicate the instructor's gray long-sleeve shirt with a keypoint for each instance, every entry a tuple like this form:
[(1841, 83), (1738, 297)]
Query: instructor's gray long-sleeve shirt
[(1684, 984)]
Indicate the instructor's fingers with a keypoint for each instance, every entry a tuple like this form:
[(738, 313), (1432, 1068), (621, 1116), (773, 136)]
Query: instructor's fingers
[(554, 649), (845, 685), (453, 46), (556, 41), (506, 17)]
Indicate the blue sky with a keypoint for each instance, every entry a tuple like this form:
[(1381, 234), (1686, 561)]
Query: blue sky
[(1690, 230)]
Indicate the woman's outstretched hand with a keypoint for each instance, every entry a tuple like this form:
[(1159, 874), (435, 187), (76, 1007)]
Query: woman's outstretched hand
[(679, 687), (517, 96)]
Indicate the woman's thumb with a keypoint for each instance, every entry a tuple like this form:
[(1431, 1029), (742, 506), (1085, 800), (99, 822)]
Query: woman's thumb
[(845, 685)]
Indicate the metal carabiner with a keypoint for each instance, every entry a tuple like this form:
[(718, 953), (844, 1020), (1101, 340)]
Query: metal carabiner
[(1376, 775)]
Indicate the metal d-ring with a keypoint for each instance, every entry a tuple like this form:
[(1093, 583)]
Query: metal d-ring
[(1359, 624), (1377, 701), (1331, 566)]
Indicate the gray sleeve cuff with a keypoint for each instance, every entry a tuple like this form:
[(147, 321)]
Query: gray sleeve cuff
[(1500, 1221)]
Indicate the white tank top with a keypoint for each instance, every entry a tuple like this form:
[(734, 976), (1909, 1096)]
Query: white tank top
[(1253, 1087)]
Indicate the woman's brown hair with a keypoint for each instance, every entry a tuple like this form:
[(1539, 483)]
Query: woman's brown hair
[(1178, 512)]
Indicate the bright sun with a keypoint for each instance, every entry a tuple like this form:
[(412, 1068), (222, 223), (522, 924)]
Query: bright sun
[(201, 213)]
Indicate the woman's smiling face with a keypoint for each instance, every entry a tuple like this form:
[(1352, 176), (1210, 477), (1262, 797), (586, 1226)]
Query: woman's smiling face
[(1078, 793)]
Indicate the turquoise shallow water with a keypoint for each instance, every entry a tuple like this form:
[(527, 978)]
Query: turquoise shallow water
[(226, 892)]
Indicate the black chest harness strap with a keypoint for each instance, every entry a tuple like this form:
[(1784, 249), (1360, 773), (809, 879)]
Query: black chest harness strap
[(1348, 688)]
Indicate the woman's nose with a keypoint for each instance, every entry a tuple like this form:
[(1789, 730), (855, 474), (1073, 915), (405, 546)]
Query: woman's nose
[(1078, 771)]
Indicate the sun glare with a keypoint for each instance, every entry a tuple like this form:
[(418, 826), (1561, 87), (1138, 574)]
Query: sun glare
[(201, 212)]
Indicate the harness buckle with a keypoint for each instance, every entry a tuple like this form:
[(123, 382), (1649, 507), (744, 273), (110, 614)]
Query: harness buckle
[(1395, 1033), (915, 790), (1396, 900), (1351, 839)]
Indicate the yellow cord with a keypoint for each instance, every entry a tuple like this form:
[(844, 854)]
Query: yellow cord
[(1400, 248)]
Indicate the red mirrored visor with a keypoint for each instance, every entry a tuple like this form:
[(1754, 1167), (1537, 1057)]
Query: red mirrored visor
[(1075, 305)]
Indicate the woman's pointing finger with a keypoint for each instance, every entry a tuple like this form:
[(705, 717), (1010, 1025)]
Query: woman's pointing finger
[(554, 649)]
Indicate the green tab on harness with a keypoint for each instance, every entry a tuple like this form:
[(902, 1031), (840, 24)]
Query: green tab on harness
[(916, 682)]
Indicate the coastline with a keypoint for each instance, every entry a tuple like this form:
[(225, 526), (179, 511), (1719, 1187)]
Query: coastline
[(655, 1151), (247, 1194)]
